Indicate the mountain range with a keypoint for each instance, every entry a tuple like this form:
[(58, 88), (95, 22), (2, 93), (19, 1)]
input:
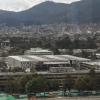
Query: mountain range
[(84, 11)]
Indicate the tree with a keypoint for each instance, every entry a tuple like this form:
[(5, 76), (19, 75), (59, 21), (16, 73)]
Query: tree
[(64, 42), (24, 79), (92, 75), (53, 85), (81, 83), (55, 51), (84, 83), (38, 84), (13, 85), (91, 43), (68, 83), (17, 84), (85, 54), (92, 72)]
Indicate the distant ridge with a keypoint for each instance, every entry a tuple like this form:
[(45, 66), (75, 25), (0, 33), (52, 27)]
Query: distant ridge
[(84, 11)]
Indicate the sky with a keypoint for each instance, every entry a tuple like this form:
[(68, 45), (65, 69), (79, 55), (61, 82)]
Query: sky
[(19, 5)]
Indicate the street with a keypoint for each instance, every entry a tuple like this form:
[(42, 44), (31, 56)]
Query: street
[(68, 98)]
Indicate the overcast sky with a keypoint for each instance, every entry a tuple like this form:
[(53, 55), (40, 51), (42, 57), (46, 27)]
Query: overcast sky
[(18, 5)]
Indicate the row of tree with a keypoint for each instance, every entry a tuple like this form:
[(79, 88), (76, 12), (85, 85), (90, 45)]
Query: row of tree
[(89, 82), (31, 84), (48, 42), (20, 44), (36, 83)]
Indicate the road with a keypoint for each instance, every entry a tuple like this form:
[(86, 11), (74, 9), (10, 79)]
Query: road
[(69, 98)]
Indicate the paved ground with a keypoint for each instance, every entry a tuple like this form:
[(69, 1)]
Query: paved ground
[(69, 98), (75, 98)]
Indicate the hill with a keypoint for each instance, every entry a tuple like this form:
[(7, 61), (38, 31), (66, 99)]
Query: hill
[(84, 11)]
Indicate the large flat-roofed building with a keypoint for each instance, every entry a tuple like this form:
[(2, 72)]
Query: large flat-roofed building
[(19, 61), (43, 62), (92, 64), (38, 51)]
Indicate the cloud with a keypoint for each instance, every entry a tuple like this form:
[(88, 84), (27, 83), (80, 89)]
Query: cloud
[(15, 5), (18, 5), (65, 1)]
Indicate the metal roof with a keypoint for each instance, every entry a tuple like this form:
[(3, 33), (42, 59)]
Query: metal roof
[(38, 58), (48, 58), (19, 58), (70, 57), (55, 57)]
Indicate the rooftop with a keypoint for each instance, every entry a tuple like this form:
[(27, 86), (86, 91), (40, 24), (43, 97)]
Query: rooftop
[(37, 58), (38, 50), (70, 57), (48, 58), (19, 58)]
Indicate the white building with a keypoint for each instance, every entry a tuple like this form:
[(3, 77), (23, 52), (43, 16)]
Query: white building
[(19, 61), (38, 51), (98, 55), (43, 62)]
